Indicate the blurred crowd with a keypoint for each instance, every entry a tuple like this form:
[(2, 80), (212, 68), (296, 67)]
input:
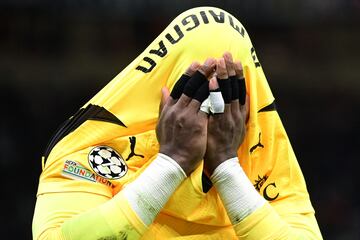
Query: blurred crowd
[(55, 55)]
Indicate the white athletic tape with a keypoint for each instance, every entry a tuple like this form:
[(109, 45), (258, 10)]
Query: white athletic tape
[(236, 191), (217, 104), (205, 106), (214, 103), (149, 193)]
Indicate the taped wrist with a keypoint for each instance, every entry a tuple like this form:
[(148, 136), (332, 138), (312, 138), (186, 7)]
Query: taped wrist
[(236, 191), (148, 194)]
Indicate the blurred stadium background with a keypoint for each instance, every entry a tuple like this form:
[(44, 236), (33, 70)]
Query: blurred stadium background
[(55, 55)]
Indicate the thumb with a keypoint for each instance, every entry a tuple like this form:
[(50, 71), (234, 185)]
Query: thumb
[(165, 93), (245, 109)]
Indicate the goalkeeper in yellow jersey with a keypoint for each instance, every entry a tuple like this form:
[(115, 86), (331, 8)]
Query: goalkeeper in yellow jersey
[(213, 163)]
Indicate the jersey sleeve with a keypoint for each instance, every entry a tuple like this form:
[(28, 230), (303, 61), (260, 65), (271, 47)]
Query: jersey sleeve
[(275, 173), (70, 215), (72, 196), (270, 163), (266, 223)]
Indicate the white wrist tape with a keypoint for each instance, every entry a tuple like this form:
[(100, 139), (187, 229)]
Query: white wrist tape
[(236, 191), (214, 103), (149, 193)]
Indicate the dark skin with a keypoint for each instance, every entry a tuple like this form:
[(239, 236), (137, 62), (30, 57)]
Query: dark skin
[(182, 127), (189, 135), (226, 131)]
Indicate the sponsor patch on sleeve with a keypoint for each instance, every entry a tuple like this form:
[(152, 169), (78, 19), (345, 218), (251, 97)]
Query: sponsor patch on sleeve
[(75, 170)]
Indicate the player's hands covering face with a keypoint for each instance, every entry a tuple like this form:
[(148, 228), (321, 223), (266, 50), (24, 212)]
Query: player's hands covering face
[(226, 131), (182, 127), (187, 134)]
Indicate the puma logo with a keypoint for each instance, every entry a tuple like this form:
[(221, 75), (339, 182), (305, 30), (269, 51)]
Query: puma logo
[(257, 145), (132, 149)]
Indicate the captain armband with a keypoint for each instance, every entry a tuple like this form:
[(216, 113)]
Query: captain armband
[(148, 194), (236, 191)]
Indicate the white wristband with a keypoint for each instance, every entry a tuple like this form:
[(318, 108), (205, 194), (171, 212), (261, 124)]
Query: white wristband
[(236, 191), (149, 193)]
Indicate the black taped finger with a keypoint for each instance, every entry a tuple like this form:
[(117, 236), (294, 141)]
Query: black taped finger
[(234, 88), (242, 91), (179, 86), (225, 88), (203, 92), (194, 83)]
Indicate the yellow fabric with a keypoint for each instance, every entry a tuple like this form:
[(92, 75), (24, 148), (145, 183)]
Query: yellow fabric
[(65, 204), (87, 216), (266, 223)]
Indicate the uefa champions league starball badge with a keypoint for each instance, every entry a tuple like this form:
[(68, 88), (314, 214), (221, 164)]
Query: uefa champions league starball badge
[(107, 163)]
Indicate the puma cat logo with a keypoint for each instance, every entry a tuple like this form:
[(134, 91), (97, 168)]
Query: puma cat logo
[(257, 145), (132, 149)]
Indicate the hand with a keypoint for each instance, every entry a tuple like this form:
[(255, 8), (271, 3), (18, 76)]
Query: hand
[(182, 127), (226, 131)]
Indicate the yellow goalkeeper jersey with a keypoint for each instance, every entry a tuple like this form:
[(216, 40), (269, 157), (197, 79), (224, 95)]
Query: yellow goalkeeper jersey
[(111, 140)]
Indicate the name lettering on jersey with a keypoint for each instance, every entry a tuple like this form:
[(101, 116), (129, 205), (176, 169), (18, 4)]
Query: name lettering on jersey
[(269, 192), (187, 24), (253, 55), (76, 171), (266, 194)]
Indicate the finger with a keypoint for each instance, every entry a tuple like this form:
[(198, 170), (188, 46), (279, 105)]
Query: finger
[(213, 84), (221, 71), (239, 69), (195, 82), (235, 90), (205, 106), (229, 64), (199, 100), (192, 69), (242, 91), (208, 67), (180, 84), (164, 98), (165, 101), (245, 109), (217, 104), (203, 115), (242, 85), (223, 80), (202, 93), (216, 101)]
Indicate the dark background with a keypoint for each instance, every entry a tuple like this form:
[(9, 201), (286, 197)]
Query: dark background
[(55, 55)]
